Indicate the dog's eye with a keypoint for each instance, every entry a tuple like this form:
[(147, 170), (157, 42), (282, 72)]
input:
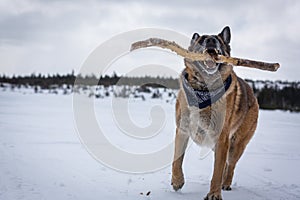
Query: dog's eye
[(201, 41)]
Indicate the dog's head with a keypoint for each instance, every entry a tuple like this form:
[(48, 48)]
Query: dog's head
[(213, 45)]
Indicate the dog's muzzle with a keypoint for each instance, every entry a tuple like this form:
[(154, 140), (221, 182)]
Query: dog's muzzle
[(209, 66), (213, 52)]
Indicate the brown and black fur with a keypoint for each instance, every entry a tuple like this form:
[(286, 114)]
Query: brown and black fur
[(229, 123)]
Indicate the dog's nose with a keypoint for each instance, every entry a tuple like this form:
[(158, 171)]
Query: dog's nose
[(211, 42)]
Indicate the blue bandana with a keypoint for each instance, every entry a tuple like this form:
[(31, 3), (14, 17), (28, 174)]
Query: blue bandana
[(203, 98)]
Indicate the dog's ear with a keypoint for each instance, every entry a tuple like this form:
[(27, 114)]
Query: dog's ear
[(225, 35), (195, 38)]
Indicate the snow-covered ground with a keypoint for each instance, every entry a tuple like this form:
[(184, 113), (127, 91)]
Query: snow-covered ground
[(41, 156)]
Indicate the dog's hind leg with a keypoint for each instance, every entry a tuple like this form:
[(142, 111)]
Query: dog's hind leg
[(181, 141)]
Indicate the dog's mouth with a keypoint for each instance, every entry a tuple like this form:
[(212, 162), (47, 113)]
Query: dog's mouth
[(213, 52), (210, 66)]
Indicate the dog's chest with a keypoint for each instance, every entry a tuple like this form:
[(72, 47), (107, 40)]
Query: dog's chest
[(203, 126)]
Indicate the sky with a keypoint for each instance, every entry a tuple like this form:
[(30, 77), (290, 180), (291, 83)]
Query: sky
[(57, 36)]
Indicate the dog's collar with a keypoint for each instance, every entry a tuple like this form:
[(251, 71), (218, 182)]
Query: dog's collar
[(203, 98)]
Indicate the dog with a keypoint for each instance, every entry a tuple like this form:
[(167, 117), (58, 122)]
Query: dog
[(215, 108)]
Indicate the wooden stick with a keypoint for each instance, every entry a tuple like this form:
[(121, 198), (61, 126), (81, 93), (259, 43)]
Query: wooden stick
[(165, 44)]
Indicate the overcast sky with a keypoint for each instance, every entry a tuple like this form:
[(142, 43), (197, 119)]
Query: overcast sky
[(56, 36)]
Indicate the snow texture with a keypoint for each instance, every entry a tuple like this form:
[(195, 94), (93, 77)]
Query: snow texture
[(42, 157)]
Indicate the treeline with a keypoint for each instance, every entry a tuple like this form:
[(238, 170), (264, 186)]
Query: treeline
[(281, 95), (285, 98), (46, 81)]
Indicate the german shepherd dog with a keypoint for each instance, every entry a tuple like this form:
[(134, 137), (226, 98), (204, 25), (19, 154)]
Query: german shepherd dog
[(214, 108)]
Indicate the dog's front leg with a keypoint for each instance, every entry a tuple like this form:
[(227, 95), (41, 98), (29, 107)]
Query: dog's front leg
[(181, 141), (219, 165)]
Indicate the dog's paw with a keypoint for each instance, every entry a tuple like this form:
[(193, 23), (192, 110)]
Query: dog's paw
[(177, 183), (226, 187), (213, 196)]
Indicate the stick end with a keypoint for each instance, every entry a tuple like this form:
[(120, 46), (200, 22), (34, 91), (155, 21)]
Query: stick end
[(134, 46), (276, 66)]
